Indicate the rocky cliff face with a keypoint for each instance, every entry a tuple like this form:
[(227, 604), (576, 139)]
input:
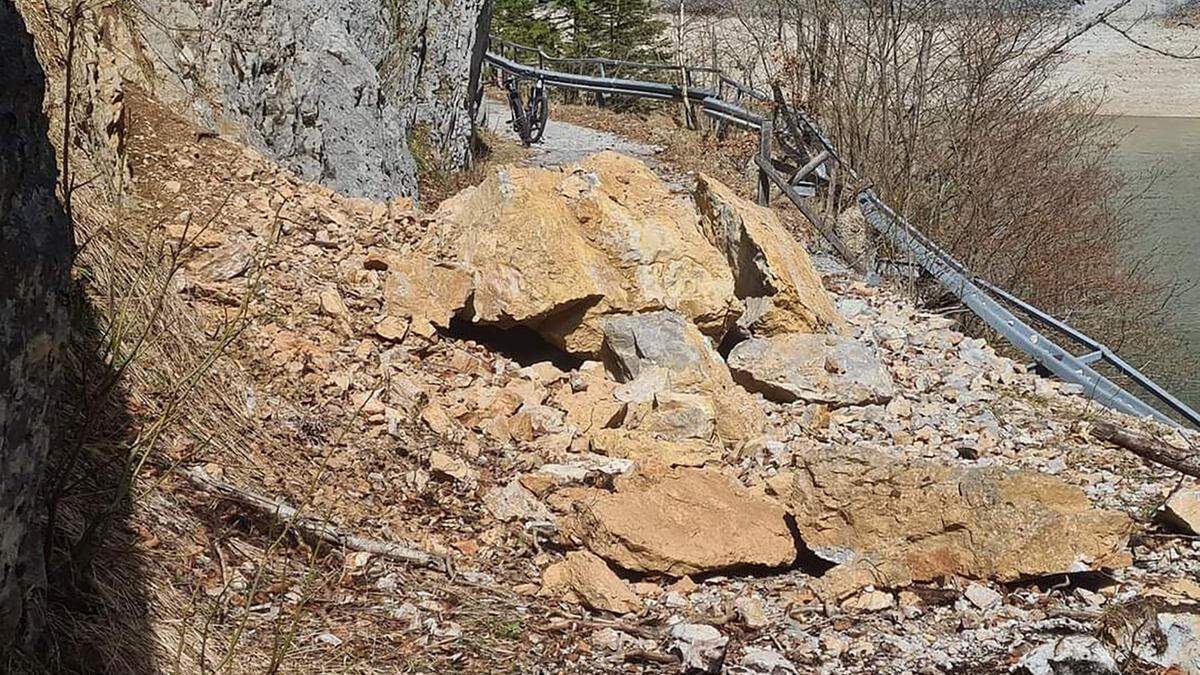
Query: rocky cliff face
[(332, 90), (35, 249)]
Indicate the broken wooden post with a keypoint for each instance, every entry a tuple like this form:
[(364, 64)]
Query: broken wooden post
[(764, 154)]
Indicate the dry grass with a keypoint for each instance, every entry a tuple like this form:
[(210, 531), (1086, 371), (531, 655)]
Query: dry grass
[(169, 371)]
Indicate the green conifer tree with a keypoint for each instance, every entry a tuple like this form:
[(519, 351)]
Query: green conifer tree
[(526, 22)]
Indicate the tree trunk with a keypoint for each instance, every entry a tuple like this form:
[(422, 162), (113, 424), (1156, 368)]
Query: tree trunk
[(35, 256)]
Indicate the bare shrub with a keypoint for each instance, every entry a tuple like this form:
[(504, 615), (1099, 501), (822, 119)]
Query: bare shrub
[(952, 111)]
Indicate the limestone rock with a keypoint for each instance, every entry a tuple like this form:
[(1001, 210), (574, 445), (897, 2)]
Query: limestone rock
[(680, 386), (759, 661), (814, 368), (645, 448), (700, 647), (686, 521), (426, 294), (1068, 655), (633, 342), (559, 250), (585, 579), (891, 523), (1182, 511), (225, 262), (331, 90), (514, 502), (768, 264), (593, 406)]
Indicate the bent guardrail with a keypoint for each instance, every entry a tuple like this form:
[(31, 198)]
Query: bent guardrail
[(984, 299)]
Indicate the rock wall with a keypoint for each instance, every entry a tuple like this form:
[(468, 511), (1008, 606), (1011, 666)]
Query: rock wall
[(332, 90), (35, 251)]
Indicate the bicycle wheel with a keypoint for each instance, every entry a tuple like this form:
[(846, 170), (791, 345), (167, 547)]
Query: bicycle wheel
[(540, 114)]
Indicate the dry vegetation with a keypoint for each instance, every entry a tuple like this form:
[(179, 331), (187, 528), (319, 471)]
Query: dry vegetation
[(953, 115)]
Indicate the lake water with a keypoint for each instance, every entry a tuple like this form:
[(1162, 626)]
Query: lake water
[(1170, 212)]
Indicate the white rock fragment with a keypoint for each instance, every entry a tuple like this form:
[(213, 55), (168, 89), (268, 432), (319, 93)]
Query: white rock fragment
[(764, 662), (1070, 654), (700, 647), (981, 596)]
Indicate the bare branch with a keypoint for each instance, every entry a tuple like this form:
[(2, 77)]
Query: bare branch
[(1149, 47)]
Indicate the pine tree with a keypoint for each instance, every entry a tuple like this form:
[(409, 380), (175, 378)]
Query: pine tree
[(526, 22), (624, 29), (619, 29)]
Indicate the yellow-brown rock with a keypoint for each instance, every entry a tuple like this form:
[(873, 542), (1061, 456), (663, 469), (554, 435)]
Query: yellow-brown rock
[(557, 250), (922, 521), (771, 270), (680, 386), (685, 521), (427, 294), (645, 448), (585, 579)]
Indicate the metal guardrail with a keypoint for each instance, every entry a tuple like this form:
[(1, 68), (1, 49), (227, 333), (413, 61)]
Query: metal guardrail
[(983, 298)]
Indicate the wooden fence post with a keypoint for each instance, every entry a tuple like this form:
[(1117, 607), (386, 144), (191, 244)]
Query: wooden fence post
[(764, 151)]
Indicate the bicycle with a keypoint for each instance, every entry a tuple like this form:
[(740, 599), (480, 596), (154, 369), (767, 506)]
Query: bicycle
[(528, 119)]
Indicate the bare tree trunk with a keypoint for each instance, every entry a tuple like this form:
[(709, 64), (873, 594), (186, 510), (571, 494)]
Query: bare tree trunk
[(35, 253)]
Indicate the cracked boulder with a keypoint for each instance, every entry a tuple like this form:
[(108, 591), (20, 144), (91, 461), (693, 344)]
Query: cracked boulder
[(830, 369), (559, 250), (889, 523), (772, 272), (678, 387), (423, 293), (682, 522)]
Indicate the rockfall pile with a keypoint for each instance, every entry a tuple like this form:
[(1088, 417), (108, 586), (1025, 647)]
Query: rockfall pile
[(641, 426)]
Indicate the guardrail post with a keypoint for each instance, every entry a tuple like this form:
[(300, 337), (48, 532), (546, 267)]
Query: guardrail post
[(764, 151), (599, 95)]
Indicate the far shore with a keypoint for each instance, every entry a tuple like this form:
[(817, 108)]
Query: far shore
[(1133, 80)]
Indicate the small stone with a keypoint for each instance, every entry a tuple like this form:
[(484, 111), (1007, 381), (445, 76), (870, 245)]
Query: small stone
[(1067, 655), (981, 596), (766, 662), (750, 611), (452, 467), (514, 502), (331, 304), (700, 647), (870, 601), (675, 600), (172, 186), (585, 579), (392, 329), (1182, 511)]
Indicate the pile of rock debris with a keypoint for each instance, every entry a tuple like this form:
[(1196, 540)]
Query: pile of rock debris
[(652, 405)]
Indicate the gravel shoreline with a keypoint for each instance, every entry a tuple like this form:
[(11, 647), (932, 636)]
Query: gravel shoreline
[(1135, 81)]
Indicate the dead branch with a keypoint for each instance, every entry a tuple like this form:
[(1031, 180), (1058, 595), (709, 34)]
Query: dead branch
[(1149, 47), (647, 656), (1148, 448), (312, 528), (1071, 36)]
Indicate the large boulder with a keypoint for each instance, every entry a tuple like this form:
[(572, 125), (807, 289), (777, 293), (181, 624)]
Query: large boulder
[(559, 250), (771, 270), (890, 523), (425, 294), (685, 521), (678, 385), (828, 369)]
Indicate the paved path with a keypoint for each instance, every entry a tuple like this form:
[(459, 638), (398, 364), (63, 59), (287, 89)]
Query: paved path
[(563, 143)]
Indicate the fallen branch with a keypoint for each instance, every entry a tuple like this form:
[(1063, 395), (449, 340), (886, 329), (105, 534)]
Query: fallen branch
[(647, 656), (1148, 448), (313, 528)]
